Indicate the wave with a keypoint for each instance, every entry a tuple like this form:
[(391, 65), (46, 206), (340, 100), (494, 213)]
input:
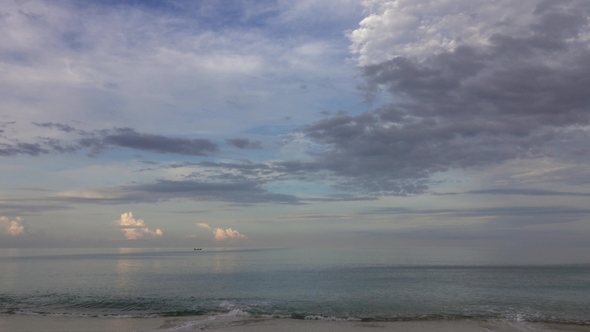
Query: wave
[(65, 305)]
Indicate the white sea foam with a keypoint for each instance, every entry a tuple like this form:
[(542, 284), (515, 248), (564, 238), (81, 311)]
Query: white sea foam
[(226, 304), (235, 316), (236, 313)]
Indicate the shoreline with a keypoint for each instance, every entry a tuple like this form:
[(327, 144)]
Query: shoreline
[(25, 323)]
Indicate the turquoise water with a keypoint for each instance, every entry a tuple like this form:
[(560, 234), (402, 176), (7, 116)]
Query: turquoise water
[(352, 284)]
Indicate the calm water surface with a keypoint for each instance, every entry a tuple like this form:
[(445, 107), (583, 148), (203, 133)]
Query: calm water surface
[(373, 284)]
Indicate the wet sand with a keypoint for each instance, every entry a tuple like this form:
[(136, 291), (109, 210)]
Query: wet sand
[(292, 325), (22, 323)]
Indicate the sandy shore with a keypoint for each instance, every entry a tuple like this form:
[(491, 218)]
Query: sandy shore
[(18, 323), (22, 323)]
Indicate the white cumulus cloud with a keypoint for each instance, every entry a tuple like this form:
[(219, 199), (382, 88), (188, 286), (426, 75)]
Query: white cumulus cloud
[(13, 227), (135, 229), (418, 28), (221, 234), (224, 234)]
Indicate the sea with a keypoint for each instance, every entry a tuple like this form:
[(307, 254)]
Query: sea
[(329, 284)]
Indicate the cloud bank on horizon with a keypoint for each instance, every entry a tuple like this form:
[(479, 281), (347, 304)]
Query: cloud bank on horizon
[(272, 105)]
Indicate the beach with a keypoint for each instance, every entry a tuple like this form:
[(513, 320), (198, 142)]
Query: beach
[(20, 323)]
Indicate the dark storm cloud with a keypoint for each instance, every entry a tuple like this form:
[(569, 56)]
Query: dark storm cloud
[(164, 190), (244, 143), (470, 107)]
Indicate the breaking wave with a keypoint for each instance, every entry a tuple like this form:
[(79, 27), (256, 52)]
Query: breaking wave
[(226, 310)]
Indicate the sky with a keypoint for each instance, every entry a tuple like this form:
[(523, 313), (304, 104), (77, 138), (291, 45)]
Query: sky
[(307, 123)]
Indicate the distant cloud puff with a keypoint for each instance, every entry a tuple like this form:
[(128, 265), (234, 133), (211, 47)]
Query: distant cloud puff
[(224, 234), (135, 229), (221, 234), (13, 227)]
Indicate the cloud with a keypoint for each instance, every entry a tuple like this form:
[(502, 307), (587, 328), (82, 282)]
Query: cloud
[(421, 28), (32, 206), (491, 217), (13, 227), (528, 192), (101, 63), (244, 143), (31, 149), (532, 211), (129, 138), (203, 225), (221, 234), (135, 229), (100, 140), (63, 127), (245, 192), (504, 93), (227, 234)]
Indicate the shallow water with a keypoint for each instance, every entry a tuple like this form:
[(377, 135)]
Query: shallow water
[(355, 285)]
